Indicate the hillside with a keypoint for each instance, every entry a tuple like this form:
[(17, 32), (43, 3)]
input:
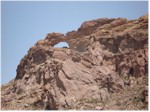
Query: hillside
[(104, 68)]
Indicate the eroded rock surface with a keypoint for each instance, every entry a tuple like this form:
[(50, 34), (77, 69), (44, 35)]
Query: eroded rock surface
[(105, 57)]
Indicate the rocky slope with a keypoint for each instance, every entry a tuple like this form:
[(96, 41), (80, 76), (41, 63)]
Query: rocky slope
[(104, 68)]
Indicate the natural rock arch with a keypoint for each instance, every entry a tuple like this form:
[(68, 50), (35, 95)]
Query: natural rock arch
[(61, 44)]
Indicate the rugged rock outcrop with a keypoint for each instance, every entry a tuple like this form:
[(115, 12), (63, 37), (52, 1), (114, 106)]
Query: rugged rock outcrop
[(105, 56)]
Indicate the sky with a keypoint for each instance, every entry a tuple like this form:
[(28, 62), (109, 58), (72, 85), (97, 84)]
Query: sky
[(24, 23)]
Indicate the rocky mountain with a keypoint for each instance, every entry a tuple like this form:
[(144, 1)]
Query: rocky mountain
[(104, 68)]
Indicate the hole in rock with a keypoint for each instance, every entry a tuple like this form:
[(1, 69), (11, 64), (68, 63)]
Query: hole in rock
[(131, 71), (62, 45)]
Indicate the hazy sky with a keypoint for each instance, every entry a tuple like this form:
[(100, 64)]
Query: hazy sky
[(24, 23)]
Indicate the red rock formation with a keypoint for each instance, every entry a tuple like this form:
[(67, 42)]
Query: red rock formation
[(103, 57)]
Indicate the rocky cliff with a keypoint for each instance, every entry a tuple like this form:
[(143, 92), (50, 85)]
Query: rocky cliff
[(104, 68)]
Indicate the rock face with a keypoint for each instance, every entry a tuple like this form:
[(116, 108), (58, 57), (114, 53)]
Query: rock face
[(105, 56)]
